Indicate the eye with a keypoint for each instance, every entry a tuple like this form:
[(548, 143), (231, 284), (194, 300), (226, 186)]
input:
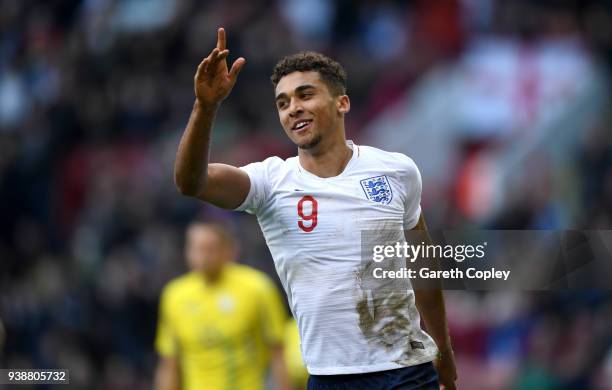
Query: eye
[(281, 104)]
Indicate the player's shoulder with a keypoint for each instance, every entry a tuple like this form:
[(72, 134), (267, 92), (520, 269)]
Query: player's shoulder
[(249, 277), (395, 160), (180, 285), (273, 162), (271, 167)]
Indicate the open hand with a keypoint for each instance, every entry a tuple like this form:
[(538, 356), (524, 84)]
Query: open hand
[(213, 82)]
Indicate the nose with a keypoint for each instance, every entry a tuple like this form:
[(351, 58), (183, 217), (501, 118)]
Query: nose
[(295, 108)]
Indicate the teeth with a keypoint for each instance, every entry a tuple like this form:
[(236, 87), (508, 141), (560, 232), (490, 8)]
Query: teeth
[(300, 125)]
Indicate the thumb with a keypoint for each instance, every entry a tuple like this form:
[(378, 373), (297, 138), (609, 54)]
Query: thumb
[(236, 68)]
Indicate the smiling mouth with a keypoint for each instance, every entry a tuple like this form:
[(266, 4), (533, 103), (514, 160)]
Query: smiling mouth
[(301, 125)]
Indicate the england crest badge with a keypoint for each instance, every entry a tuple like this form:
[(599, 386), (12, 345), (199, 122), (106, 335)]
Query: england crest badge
[(377, 189)]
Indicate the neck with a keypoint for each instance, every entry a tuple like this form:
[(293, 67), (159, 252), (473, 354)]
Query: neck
[(211, 277), (326, 161)]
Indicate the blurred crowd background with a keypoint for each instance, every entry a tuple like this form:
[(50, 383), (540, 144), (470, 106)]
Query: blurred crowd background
[(504, 106)]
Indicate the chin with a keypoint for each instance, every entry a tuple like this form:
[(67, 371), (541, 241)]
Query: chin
[(310, 143)]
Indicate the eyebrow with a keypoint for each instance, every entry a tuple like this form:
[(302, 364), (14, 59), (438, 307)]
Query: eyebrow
[(301, 88)]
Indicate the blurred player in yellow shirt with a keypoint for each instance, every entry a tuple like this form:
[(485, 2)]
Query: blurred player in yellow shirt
[(298, 374), (221, 324)]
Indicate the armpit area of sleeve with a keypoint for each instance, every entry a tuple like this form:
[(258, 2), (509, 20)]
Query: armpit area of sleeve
[(247, 205), (165, 349), (410, 221)]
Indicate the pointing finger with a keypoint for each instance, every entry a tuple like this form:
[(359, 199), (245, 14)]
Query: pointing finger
[(221, 40)]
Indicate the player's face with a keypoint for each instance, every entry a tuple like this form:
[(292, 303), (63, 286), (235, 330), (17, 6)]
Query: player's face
[(205, 250), (307, 110)]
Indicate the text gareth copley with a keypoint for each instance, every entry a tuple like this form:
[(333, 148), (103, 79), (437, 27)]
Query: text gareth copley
[(455, 273)]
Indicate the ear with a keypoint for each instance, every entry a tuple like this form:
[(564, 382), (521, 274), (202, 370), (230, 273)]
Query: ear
[(343, 104)]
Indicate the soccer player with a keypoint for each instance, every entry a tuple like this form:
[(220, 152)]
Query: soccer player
[(293, 357), (312, 209), (220, 324)]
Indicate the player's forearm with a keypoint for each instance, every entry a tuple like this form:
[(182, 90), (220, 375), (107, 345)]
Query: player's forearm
[(191, 165), (167, 377), (430, 304), (279, 369), (428, 294)]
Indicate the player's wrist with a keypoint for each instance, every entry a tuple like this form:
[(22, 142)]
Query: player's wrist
[(205, 106), (445, 351)]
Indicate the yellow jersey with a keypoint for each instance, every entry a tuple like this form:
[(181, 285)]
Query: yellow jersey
[(220, 332), (293, 357)]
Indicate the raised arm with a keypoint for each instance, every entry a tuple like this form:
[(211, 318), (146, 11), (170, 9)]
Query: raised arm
[(222, 185)]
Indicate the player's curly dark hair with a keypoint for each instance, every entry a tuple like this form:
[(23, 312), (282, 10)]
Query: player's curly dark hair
[(331, 72)]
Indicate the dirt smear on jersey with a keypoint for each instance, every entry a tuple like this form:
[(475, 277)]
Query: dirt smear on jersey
[(383, 307)]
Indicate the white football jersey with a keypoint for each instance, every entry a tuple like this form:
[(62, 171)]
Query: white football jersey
[(313, 227)]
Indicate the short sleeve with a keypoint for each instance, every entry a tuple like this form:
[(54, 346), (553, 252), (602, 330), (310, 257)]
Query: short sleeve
[(413, 188), (165, 339), (258, 192), (273, 314)]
